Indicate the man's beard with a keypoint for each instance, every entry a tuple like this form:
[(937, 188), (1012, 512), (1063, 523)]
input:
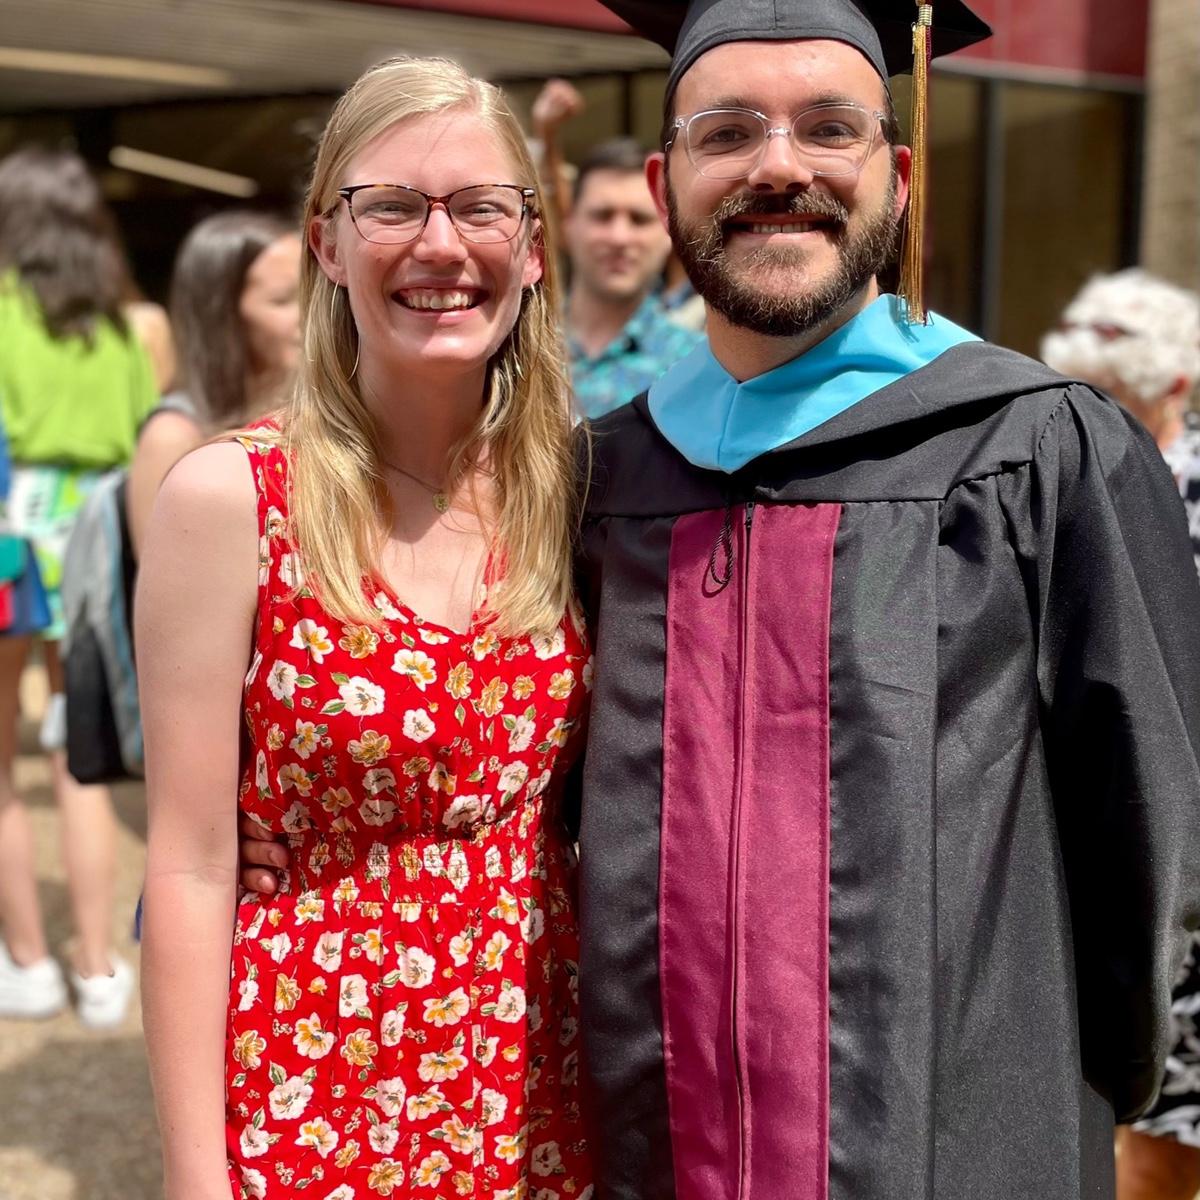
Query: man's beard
[(861, 255)]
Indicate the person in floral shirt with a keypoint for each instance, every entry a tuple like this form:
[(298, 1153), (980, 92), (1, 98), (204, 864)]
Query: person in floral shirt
[(398, 1017)]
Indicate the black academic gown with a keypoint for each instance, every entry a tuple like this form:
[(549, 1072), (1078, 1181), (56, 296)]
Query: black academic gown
[(889, 808)]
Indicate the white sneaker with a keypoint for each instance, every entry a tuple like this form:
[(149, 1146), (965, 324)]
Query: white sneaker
[(53, 732), (102, 999), (30, 992)]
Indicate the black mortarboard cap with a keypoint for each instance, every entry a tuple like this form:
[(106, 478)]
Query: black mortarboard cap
[(881, 29)]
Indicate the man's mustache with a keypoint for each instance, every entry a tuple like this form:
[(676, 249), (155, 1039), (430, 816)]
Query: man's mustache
[(774, 204)]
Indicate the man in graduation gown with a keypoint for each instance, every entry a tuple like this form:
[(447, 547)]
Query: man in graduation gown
[(889, 808)]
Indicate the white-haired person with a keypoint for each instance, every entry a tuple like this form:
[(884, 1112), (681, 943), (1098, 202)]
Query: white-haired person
[(1138, 337), (356, 627)]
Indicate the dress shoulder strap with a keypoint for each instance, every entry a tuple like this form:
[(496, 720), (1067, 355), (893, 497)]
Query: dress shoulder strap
[(278, 564)]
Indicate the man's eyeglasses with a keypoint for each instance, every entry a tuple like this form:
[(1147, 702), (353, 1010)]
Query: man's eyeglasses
[(393, 212), (729, 143)]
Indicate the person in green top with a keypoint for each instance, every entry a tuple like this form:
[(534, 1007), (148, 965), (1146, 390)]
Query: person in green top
[(75, 386)]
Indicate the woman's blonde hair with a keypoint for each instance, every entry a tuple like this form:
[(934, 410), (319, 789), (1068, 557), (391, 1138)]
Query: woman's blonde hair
[(523, 433)]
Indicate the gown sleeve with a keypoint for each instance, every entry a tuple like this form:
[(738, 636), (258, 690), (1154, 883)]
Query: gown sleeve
[(1118, 609)]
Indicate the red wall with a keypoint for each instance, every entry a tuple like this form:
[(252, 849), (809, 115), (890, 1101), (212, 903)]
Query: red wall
[(1105, 37)]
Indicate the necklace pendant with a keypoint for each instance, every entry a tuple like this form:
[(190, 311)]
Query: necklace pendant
[(441, 502)]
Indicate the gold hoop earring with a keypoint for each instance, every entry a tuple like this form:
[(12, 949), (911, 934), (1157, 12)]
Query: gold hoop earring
[(333, 303), (357, 355)]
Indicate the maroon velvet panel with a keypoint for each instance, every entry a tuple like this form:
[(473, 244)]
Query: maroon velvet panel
[(695, 946), (744, 883)]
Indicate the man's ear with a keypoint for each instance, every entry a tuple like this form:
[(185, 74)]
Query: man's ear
[(656, 179), (322, 241), (903, 158)]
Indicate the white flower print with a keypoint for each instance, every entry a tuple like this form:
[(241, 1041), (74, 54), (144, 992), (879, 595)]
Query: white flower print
[(279, 947), (297, 818), (293, 775), (281, 680), (547, 1159), (383, 1137), (328, 952), (389, 1095), (307, 740), (513, 778), (289, 1099), (379, 779), (264, 561), (463, 810), (549, 645), (308, 635), (493, 1106), (320, 1135), (255, 1183), (533, 925), (377, 810), (275, 523), (342, 1192), (510, 1004), (248, 994), (311, 1039), (418, 725), (431, 1170), (460, 949), (391, 1027), (589, 674), (539, 785), (441, 1066), (309, 907), (416, 967), (507, 908), (291, 570), (493, 864), (361, 697), (424, 1104), (458, 870), (385, 608), (485, 1052), (352, 995), (262, 778), (433, 637), (520, 735), (447, 1010), (441, 780), (493, 952), (253, 1142), (417, 665)]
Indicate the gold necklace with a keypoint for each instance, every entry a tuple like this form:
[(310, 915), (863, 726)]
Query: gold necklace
[(441, 501)]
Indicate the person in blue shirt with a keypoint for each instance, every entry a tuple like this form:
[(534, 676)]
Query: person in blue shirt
[(619, 336)]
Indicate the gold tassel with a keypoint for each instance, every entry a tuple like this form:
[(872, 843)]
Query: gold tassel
[(912, 256)]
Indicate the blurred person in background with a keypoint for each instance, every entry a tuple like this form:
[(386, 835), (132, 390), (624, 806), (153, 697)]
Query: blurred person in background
[(391, 559), (619, 337), (1138, 338), (236, 313), (75, 385)]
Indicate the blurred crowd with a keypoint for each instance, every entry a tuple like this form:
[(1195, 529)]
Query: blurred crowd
[(102, 392)]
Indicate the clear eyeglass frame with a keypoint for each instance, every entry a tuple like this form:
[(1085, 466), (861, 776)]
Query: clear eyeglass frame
[(739, 166), (398, 235)]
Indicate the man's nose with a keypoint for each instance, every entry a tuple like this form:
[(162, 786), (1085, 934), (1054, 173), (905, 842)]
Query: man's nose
[(780, 169)]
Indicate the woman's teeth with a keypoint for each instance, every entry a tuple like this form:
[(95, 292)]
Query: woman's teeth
[(437, 300)]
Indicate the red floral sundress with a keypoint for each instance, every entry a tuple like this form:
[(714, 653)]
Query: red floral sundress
[(403, 1014)]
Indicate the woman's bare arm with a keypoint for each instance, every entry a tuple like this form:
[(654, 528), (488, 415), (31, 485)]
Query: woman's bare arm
[(165, 439), (195, 620)]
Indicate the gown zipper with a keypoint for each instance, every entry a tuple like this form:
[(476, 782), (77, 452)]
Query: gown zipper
[(735, 866)]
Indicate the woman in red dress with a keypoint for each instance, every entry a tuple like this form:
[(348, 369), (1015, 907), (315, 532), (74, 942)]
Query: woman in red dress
[(355, 627)]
